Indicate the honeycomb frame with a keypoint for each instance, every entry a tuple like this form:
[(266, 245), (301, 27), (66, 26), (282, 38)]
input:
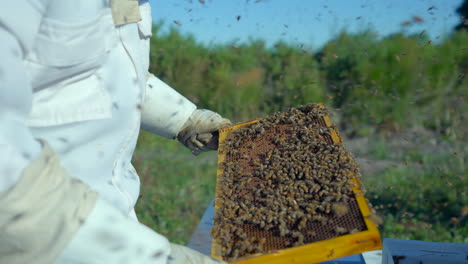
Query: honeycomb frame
[(324, 245)]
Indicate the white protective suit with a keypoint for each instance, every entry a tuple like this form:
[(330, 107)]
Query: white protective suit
[(72, 79)]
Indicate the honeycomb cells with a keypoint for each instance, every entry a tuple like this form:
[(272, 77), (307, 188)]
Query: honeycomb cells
[(285, 182)]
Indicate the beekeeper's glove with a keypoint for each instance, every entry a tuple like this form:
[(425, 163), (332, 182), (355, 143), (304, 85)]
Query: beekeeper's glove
[(200, 131), (49, 217), (184, 255)]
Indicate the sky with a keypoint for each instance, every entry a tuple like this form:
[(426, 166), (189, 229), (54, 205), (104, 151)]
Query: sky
[(310, 23)]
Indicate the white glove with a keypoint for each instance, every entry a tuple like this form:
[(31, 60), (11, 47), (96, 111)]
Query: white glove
[(184, 255), (200, 131)]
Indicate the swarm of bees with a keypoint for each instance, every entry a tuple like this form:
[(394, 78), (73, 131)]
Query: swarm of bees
[(284, 183)]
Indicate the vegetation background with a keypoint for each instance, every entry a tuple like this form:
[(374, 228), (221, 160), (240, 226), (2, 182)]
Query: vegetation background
[(399, 101)]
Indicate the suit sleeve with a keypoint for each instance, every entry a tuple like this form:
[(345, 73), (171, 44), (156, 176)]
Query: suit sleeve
[(164, 110), (19, 23)]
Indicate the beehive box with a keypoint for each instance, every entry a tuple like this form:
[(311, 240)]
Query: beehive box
[(288, 192)]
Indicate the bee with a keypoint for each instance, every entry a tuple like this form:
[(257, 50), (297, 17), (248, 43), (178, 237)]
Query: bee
[(302, 223), (283, 231), (340, 230), (299, 242), (318, 218), (376, 219), (256, 162), (340, 209)]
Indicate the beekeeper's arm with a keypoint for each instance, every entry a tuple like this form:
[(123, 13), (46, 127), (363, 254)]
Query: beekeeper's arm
[(169, 114), (45, 215), (165, 112)]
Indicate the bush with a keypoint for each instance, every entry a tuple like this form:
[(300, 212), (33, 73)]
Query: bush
[(391, 83)]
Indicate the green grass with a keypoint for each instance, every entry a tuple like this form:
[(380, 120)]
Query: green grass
[(425, 198), (176, 186), (379, 149)]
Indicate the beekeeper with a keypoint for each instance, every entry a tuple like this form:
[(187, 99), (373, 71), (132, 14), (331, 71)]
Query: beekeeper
[(74, 90)]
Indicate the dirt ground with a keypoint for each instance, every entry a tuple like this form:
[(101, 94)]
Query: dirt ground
[(397, 146)]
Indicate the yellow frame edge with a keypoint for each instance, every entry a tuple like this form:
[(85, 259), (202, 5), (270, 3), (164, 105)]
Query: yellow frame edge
[(341, 246)]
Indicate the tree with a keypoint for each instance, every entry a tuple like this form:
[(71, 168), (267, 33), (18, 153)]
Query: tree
[(463, 12)]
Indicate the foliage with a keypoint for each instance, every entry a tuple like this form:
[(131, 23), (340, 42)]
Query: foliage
[(462, 10), (242, 82), (397, 81), (374, 86), (391, 83)]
